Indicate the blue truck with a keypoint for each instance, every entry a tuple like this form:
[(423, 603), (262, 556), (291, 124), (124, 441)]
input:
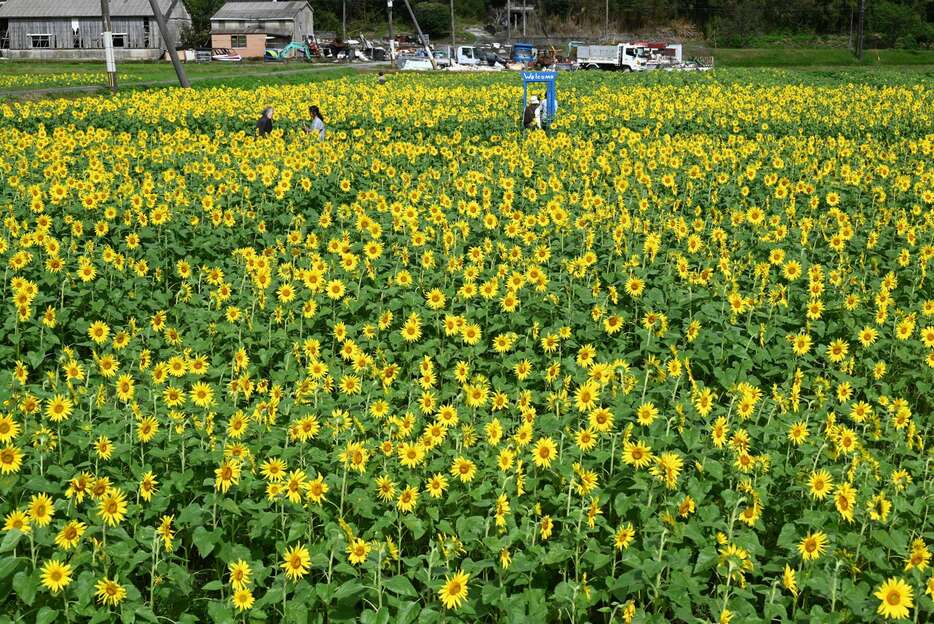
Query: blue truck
[(523, 53)]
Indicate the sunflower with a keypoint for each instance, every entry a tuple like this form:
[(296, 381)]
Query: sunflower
[(112, 507), (357, 551), (147, 486), (454, 591), (166, 532), (585, 439), (227, 474), (638, 454), (41, 510), (296, 485), (11, 460), (463, 469), (69, 536), (586, 397), (545, 527), (820, 484), (104, 447), (646, 414), (125, 388), (845, 501), (544, 452), (316, 490), (239, 574), (56, 576), (243, 599), (798, 433), (436, 486), (601, 420), (146, 429), (412, 330), (59, 408), (110, 592), (385, 488), (9, 429), (635, 287), (98, 332), (17, 520), (624, 536), (296, 562), (667, 468), (812, 546), (897, 599), (202, 395), (407, 499)]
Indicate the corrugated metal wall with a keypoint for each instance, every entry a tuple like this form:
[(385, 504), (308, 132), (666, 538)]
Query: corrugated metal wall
[(298, 29), (303, 25), (140, 32), (89, 32)]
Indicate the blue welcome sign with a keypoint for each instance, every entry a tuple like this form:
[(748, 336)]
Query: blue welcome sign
[(539, 76), (550, 103)]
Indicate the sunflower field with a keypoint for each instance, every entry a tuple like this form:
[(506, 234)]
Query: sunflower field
[(671, 360)]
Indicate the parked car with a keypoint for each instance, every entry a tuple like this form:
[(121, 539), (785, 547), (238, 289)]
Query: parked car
[(226, 55), (492, 58), (441, 57)]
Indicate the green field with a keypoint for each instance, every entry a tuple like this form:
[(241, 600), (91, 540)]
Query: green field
[(811, 57), (669, 360), (22, 77)]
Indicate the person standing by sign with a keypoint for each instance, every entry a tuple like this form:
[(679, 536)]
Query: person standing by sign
[(532, 118)]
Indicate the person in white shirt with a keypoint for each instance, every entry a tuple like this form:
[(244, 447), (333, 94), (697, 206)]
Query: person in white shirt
[(317, 123)]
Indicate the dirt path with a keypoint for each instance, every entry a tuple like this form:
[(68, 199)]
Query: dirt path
[(79, 89)]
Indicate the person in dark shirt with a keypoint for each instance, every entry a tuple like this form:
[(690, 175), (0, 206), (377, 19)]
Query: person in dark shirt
[(264, 125)]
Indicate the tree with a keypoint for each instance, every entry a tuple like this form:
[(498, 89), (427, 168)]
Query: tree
[(433, 17)]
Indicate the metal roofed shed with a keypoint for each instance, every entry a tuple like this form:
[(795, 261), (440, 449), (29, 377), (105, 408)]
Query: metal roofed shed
[(71, 30), (249, 28), (254, 11)]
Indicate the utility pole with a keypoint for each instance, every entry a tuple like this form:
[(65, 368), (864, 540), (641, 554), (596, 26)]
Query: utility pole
[(108, 44), (523, 18), (344, 23), (859, 31), (453, 43), (392, 42), (421, 37), (508, 21), (606, 21), (170, 45), (852, 46)]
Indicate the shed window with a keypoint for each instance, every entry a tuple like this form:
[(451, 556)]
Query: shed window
[(119, 40), (147, 34), (41, 41), (237, 41)]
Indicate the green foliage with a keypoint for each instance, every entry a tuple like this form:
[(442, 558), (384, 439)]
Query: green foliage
[(434, 18), (896, 24), (201, 12), (709, 206)]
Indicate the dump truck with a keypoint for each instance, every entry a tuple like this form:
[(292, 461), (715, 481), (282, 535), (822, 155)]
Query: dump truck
[(622, 57)]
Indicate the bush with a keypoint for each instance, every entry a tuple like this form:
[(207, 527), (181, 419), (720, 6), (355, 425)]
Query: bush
[(906, 42), (896, 24), (191, 38), (434, 18), (327, 21)]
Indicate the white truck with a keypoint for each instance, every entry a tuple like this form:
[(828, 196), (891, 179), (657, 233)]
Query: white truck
[(622, 57)]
